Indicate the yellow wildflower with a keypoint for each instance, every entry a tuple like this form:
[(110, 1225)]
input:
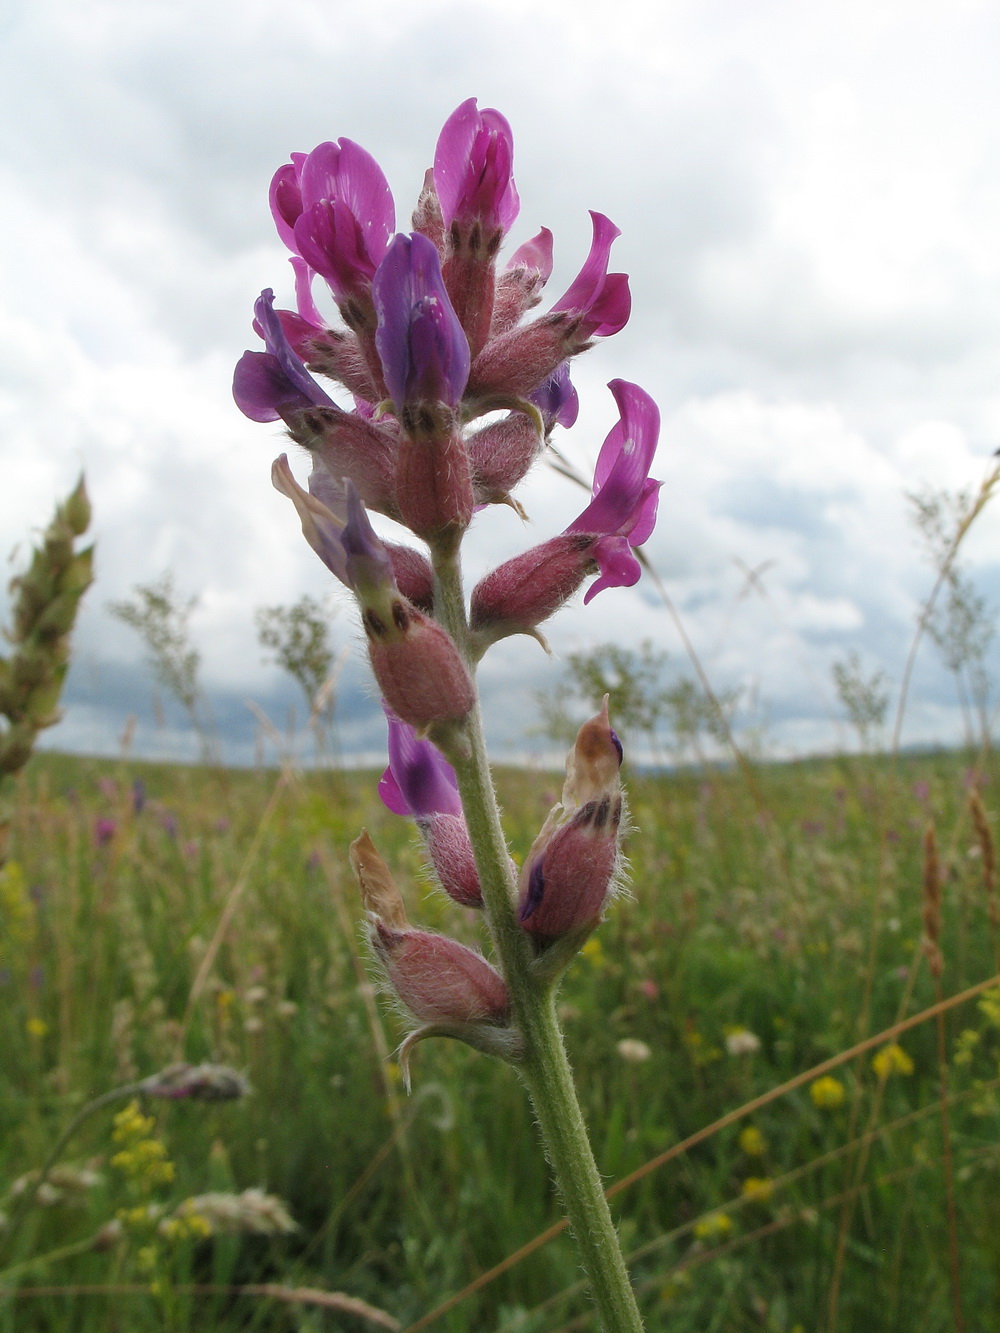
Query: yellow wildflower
[(966, 1043), (713, 1227), (36, 1027), (827, 1093), (892, 1059), (757, 1188), (989, 1005), (752, 1142), (593, 951)]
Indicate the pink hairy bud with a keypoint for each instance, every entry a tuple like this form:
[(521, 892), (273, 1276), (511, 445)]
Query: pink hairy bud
[(569, 871), (413, 574), (518, 361), (447, 841), (521, 593), (440, 980), (419, 670), (501, 455), (519, 286), (427, 219), (564, 888), (351, 447), (434, 485), (337, 353)]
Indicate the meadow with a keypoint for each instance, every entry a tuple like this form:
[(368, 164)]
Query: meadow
[(780, 915)]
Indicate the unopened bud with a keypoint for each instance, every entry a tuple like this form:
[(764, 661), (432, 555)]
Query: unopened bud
[(440, 980), (564, 887), (75, 510), (501, 455), (433, 480), (571, 867), (419, 670), (447, 840), (523, 592)]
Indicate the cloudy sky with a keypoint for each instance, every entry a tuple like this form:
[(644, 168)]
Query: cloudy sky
[(809, 197)]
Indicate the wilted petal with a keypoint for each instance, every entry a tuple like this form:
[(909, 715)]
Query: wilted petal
[(320, 526), (369, 568)]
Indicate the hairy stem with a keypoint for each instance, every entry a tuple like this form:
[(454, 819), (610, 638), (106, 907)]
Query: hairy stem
[(544, 1065)]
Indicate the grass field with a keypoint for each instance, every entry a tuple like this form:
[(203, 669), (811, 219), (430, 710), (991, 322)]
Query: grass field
[(777, 920)]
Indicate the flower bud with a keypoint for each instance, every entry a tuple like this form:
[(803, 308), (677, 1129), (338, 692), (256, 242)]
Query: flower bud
[(433, 489), (570, 869), (440, 980), (419, 670), (519, 594), (447, 840), (564, 888), (501, 455)]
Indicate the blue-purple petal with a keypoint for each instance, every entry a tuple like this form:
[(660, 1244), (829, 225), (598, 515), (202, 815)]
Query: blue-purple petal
[(418, 776)]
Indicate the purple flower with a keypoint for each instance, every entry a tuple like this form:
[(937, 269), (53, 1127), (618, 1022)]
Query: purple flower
[(473, 166), (601, 298), (557, 400), (623, 510), (333, 207), (104, 831), (274, 384), (422, 346), (419, 780)]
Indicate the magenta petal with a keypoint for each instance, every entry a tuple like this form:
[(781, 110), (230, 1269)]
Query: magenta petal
[(619, 567), (645, 520), (609, 313), (259, 384), (347, 172), (451, 156), (589, 282), (304, 302), (390, 795), (535, 254), (639, 422), (472, 167), (286, 202)]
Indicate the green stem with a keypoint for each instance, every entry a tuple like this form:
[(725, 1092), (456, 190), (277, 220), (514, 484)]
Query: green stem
[(24, 1203), (544, 1065), (51, 1257)]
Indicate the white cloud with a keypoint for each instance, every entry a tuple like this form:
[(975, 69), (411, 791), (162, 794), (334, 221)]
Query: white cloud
[(809, 199)]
